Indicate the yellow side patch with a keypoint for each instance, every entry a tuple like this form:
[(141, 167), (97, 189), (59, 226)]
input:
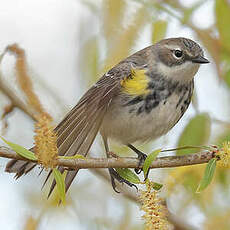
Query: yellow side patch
[(137, 84)]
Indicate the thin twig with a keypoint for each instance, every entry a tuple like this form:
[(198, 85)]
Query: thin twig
[(121, 162)]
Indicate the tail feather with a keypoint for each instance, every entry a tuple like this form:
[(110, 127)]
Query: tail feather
[(78, 135), (19, 167), (86, 140), (69, 178)]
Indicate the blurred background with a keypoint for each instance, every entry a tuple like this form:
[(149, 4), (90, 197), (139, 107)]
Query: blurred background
[(68, 46)]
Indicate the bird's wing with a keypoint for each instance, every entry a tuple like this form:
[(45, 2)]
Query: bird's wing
[(79, 128), (77, 131)]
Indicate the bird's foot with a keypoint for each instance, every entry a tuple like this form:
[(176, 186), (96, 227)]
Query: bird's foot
[(141, 157), (115, 176)]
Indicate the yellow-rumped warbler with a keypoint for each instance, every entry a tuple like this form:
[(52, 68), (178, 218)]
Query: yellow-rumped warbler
[(139, 99)]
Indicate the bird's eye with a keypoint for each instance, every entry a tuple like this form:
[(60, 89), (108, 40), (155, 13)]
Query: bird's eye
[(178, 53)]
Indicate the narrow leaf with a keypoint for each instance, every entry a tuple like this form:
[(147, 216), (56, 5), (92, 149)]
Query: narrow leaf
[(128, 175), (20, 150), (60, 184), (208, 175), (148, 161)]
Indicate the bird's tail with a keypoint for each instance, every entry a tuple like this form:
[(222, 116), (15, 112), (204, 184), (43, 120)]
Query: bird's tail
[(19, 167), (75, 133)]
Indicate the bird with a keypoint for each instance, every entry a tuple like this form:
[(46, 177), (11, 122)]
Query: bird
[(138, 100)]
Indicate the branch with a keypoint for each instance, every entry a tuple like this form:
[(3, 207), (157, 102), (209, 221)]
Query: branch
[(121, 162), (128, 162)]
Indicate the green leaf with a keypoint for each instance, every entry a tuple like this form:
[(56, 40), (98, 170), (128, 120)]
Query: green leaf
[(196, 133), (20, 150), (208, 175), (77, 156), (159, 30), (148, 161), (222, 21), (128, 175), (156, 186), (60, 184)]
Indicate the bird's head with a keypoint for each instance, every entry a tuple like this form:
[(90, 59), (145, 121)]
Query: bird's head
[(178, 58)]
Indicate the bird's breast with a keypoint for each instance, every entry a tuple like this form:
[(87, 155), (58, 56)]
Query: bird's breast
[(141, 118)]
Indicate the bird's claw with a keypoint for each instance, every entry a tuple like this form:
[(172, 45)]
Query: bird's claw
[(141, 158), (115, 176)]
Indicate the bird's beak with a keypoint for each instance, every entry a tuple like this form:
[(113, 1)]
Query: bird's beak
[(200, 60)]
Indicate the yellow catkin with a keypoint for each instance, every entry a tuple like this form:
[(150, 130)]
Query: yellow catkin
[(224, 155), (45, 142), (24, 79), (155, 212)]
